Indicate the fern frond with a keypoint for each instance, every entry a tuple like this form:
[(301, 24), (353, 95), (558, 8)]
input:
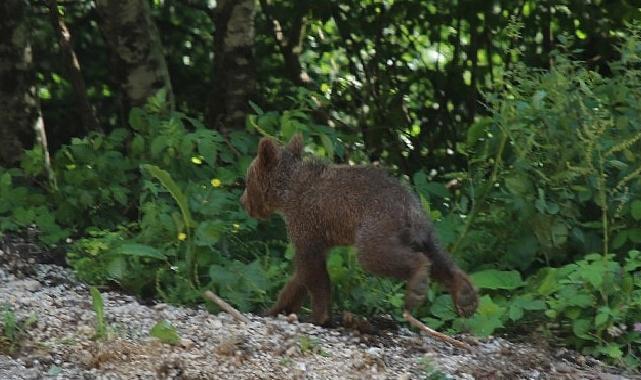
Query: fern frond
[(627, 144)]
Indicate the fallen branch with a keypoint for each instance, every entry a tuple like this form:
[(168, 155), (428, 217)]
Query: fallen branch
[(435, 334), (225, 306)]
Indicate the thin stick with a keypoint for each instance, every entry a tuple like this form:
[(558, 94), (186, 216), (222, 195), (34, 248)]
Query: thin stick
[(440, 336), (41, 138), (225, 306)]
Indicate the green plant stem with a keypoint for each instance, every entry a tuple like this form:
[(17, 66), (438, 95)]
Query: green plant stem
[(484, 193), (604, 205)]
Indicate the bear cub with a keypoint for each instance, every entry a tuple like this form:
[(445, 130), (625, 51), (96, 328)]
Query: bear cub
[(326, 205)]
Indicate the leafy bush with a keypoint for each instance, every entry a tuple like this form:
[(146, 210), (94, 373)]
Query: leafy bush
[(597, 304), (552, 171), (552, 178), (155, 209)]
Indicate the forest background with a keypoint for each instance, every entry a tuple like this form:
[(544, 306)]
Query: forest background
[(126, 127)]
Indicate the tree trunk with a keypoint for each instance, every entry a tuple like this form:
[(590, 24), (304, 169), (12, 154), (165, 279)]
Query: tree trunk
[(234, 65), (18, 101), (87, 113), (136, 50)]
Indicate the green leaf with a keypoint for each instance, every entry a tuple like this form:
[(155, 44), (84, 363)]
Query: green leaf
[(137, 145), (158, 144), (559, 234), (288, 127), (443, 308), (328, 145), (119, 195), (529, 304), (537, 99), (633, 261), (137, 119), (612, 350), (581, 300), (488, 308), (186, 147), (552, 208), (209, 149), (518, 184), (497, 279), (255, 277), (581, 328), (158, 101), (602, 317), (256, 108), (437, 189), (222, 277), (209, 232), (520, 303), (488, 317), (484, 326), (573, 312), (593, 273), (420, 183), (635, 209), (140, 250), (5, 180), (549, 283), (241, 141), (619, 239), (634, 234), (515, 313), (116, 268), (99, 308), (433, 322), (164, 331), (335, 267), (477, 130), (169, 184)]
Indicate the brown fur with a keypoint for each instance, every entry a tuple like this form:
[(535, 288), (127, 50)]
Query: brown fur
[(328, 205)]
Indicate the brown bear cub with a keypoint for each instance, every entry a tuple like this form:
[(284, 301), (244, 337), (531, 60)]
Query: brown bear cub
[(328, 205)]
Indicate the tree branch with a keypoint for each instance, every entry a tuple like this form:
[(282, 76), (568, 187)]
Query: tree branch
[(433, 333), (225, 306), (289, 46)]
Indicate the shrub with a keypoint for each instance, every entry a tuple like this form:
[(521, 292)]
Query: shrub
[(552, 178)]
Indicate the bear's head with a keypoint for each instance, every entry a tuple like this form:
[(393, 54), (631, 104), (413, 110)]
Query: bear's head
[(268, 175)]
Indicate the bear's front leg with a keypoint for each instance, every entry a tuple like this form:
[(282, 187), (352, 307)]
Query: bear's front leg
[(290, 298), (311, 272)]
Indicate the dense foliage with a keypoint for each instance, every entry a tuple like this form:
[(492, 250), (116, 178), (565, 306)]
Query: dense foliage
[(525, 156)]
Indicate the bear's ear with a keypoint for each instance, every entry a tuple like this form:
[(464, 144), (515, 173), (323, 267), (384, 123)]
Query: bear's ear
[(296, 145), (268, 152)]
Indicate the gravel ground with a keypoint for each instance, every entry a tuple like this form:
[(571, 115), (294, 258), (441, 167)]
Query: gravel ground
[(58, 343)]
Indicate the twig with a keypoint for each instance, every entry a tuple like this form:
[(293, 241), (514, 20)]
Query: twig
[(225, 306), (440, 336), (41, 138)]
